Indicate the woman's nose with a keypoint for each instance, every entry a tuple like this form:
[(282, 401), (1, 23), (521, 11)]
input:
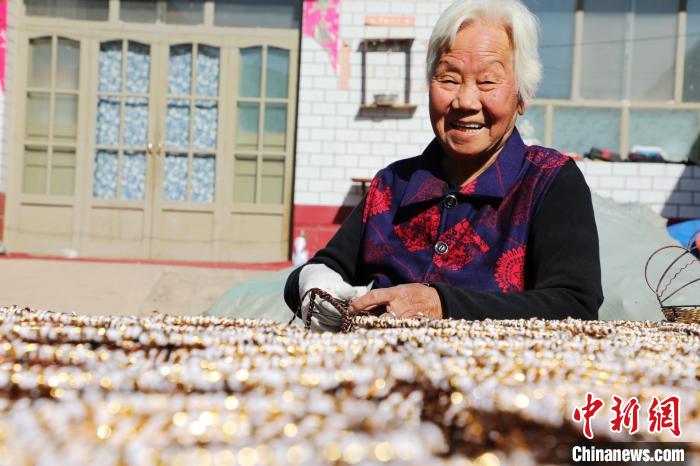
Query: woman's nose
[(467, 98)]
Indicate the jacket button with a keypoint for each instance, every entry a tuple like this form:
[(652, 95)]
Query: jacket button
[(450, 201), (441, 247)]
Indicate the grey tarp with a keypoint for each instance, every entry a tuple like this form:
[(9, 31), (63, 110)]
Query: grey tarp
[(628, 233)]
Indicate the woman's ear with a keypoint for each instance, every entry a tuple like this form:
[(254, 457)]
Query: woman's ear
[(521, 106)]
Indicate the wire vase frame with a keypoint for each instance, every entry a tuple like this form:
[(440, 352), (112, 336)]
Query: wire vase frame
[(687, 313)]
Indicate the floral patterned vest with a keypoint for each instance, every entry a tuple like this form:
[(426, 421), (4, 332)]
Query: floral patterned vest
[(416, 228)]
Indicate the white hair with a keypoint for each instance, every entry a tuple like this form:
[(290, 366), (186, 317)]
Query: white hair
[(522, 27)]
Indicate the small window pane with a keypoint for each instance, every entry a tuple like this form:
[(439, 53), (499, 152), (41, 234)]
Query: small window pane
[(65, 121), (93, 10), (244, 179), (652, 75), (184, 11), (105, 177), (180, 70), (108, 121), (138, 11), (138, 64), (40, 64), (579, 129), (251, 59), (37, 115), (603, 49), (691, 86), (175, 179), (68, 66), (203, 178), (34, 176), (206, 114), (272, 182), (676, 132), (136, 122), (531, 126), (133, 178), (275, 137), (63, 172), (258, 13), (177, 133), (207, 71), (277, 73), (110, 66), (248, 124), (557, 26)]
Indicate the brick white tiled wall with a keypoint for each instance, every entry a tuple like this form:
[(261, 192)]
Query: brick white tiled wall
[(669, 189), (334, 144)]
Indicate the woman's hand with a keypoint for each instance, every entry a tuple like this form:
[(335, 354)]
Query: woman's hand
[(402, 301)]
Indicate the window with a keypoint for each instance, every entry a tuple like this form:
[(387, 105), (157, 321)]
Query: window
[(629, 49), (578, 129), (557, 25), (691, 86), (51, 124), (164, 11), (263, 104), (94, 10), (258, 13), (676, 132)]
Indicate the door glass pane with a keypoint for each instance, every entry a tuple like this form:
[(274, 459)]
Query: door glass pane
[(676, 132), (258, 13), (203, 178), (272, 187), (34, 176), (580, 129), (180, 70), (136, 122), (40, 64), (603, 49), (65, 123), (138, 66), (138, 11), (652, 75), (105, 178), (93, 10), (531, 125), (184, 11), (177, 133), (63, 171), (275, 137), (691, 82), (68, 64), (37, 115), (110, 77), (248, 124), (251, 59), (207, 71), (133, 179), (108, 121), (175, 179), (205, 124), (245, 170), (277, 73), (557, 26)]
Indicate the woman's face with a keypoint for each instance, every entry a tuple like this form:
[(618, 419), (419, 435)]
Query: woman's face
[(473, 94)]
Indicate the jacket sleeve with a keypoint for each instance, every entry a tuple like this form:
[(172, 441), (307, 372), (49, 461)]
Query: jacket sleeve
[(562, 265), (341, 254)]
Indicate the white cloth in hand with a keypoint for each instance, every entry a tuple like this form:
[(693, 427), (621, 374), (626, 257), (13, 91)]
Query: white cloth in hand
[(326, 318)]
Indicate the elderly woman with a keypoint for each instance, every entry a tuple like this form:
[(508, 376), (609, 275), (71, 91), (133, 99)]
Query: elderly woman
[(479, 225)]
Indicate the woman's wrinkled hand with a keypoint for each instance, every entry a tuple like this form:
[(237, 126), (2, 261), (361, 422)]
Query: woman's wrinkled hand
[(402, 301)]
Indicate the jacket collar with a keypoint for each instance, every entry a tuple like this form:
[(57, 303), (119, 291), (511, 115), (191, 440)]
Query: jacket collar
[(428, 183)]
